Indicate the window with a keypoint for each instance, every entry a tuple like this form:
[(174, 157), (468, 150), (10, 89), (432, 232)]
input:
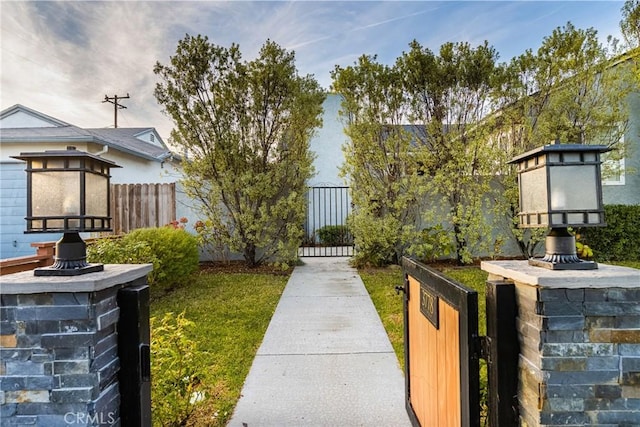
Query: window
[(612, 170)]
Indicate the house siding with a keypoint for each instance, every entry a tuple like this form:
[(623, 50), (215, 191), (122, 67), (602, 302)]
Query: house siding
[(13, 206), (327, 144)]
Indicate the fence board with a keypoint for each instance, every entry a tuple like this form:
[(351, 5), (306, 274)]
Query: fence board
[(142, 205)]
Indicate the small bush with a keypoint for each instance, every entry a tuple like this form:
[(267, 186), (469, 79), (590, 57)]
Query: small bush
[(172, 251), (175, 390), (123, 251), (176, 250), (334, 235), (619, 240)]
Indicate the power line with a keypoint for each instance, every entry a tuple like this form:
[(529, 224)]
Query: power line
[(114, 100)]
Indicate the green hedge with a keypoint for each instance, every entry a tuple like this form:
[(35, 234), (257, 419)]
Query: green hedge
[(172, 251), (334, 235), (620, 239)]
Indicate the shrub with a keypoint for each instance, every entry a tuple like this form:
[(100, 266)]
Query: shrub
[(123, 251), (618, 241), (174, 371), (176, 250), (172, 251), (334, 235)]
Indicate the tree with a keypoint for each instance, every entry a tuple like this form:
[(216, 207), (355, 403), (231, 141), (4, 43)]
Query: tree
[(568, 91), (246, 128), (450, 98), (630, 23), (417, 159), (378, 161)]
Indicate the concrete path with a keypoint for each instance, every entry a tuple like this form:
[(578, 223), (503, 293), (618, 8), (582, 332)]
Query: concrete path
[(326, 359)]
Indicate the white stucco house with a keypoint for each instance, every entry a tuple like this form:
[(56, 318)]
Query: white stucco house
[(142, 154)]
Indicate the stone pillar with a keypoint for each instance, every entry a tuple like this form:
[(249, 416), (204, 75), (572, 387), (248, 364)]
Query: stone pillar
[(59, 347), (579, 335)]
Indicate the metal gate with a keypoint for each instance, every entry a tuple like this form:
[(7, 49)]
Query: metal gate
[(326, 230), (442, 381)]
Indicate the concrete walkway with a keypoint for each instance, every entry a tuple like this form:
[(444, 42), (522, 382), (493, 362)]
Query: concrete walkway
[(326, 359)]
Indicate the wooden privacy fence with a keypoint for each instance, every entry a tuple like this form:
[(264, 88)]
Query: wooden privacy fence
[(142, 205)]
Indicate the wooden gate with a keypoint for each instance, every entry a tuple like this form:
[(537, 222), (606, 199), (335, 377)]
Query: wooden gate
[(442, 381)]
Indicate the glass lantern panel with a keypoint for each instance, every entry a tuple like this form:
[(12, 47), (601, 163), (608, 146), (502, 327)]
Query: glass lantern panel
[(554, 157), (572, 158), (589, 157), (573, 188), (57, 224), (55, 164), (575, 218), (74, 163), (96, 194), (533, 191), (594, 218), (55, 194)]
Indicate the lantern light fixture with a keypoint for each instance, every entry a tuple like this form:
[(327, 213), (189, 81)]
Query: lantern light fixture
[(560, 187), (68, 192)]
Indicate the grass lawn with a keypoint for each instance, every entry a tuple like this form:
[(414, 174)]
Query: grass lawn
[(231, 312)]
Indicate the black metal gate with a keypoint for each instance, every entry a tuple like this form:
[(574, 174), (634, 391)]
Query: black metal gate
[(326, 230)]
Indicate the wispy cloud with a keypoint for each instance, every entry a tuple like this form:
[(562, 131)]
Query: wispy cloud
[(62, 57)]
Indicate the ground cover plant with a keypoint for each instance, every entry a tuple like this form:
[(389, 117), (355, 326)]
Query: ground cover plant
[(220, 318)]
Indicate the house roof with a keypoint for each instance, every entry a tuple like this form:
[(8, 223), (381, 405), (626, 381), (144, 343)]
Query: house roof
[(122, 139)]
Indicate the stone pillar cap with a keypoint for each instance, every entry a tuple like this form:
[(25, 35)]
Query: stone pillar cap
[(606, 276), (113, 275)]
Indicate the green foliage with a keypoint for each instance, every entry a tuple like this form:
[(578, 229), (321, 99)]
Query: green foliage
[(175, 390), (442, 156), (377, 239), (123, 251), (246, 127), (630, 23), (172, 251), (334, 235), (435, 244), (175, 249), (618, 241)]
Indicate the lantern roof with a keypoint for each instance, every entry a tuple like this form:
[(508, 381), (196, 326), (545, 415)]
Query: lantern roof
[(70, 152), (557, 148)]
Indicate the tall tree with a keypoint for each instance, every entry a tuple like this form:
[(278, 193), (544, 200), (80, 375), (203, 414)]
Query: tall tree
[(246, 128), (630, 23), (450, 98), (569, 90), (378, 161)]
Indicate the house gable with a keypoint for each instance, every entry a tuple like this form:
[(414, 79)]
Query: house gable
[(19, 116), (150, 136)]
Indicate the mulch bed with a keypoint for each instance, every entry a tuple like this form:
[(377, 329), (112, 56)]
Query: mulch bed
[(234, 267)]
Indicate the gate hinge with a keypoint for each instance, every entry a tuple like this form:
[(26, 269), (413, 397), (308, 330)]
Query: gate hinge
[(482, 345)]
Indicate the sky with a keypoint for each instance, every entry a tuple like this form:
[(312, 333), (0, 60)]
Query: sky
[(62, 58)]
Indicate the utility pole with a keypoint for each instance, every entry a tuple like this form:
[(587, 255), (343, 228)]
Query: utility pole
[(114, 100)]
